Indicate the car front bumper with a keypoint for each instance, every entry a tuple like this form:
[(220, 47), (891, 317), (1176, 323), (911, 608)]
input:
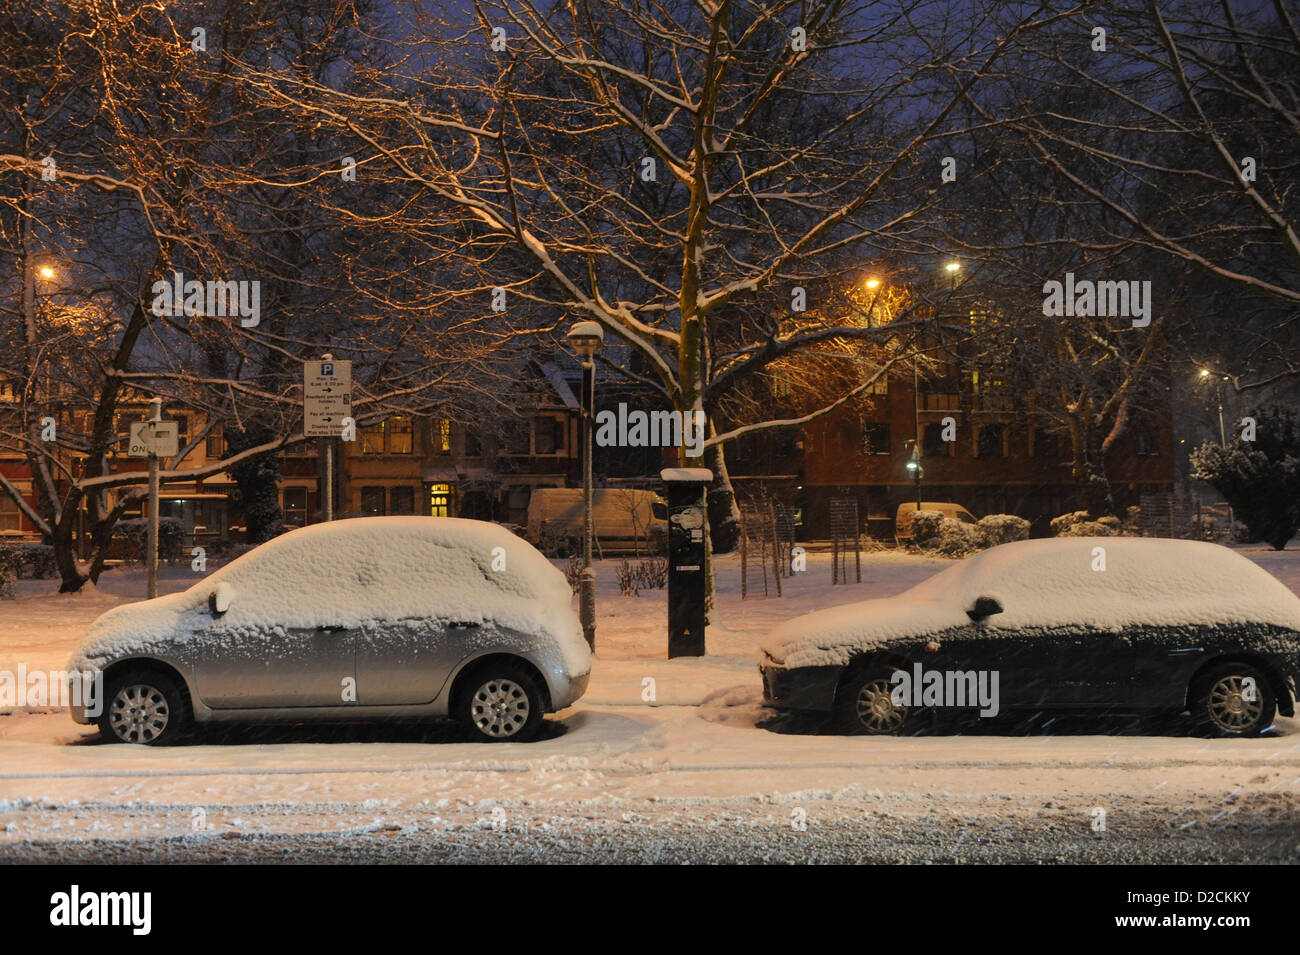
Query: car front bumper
[(569, 690), (803, 688)]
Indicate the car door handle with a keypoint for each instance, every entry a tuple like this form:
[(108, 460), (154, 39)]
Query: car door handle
[(463, 624), (331, 628)]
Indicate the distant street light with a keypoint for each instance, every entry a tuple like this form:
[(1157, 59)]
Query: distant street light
[(47, 272), (873, 283), (953, 266), (914, 466), (585, 338)]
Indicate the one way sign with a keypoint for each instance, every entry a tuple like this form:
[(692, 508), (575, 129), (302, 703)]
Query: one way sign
[(327, 397)]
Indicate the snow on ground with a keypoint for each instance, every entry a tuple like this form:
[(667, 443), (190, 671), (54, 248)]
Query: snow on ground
[(704, 773)]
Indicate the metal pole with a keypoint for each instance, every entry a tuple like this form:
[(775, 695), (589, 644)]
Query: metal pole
[(587, 580), (329, 479), (151, 546), (916, 446)]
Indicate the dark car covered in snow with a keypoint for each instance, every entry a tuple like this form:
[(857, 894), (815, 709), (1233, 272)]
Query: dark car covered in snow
[(1103, 624)]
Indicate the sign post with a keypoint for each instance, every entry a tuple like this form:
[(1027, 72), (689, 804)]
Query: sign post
[(327, 400), (153, 438), (687, 515)]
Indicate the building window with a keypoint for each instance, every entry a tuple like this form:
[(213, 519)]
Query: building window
[(10, 517), (992, 441), (216, 443), (517, 505), (473, 445), (879, 387), (441, 436), (400, 434), (547, 437), (932, 443), (372, 439), (1148, 442), (295, 506), (401, 500), (1046, 444), (372, 501), (875, 438), (516, 438), (440, 500), (182, 430)]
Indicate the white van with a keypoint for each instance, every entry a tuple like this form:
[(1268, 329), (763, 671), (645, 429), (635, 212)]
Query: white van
[(626, 521)]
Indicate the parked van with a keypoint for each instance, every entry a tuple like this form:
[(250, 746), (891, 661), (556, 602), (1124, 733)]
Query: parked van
[(626, 520), (906, 512)]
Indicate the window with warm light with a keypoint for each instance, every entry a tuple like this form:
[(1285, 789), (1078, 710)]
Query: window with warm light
[(440, 500), (441, 436)]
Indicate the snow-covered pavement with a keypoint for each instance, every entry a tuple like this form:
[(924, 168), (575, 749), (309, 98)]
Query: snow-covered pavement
[(701, 773)]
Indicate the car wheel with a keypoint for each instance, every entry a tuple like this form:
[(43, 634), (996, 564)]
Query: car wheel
[(1233, 699), (144, 707), (864, 705), (501, 704)]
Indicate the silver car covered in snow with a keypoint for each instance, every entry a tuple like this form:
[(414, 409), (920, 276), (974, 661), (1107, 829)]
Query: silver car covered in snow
[(372, 618)]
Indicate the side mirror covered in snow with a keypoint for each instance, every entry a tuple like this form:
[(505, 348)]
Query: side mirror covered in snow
[(219, 599), (984, 607)]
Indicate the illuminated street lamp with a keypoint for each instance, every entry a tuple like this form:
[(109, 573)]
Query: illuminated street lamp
[(873, 283), (47, 272), (585, 338), (915, 469)]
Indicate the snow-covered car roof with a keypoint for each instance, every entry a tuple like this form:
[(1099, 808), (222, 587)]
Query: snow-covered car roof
[(349, 571), (1053, 583)]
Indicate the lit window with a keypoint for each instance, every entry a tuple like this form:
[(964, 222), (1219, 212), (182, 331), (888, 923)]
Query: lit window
[(400, 433), (441, 436), (372, 439)]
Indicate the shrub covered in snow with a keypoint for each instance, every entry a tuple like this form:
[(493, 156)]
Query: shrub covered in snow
[(171, 533), (28, 559), (1060, 525), (1081, 524), (998, 529), (925, 528), (956, 538), (1260, 478)]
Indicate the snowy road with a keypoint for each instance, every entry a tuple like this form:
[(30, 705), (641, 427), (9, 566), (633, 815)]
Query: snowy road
[(708, 777), (638, 783)]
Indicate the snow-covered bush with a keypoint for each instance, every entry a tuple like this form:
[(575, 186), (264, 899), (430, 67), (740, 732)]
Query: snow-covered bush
[(998, 529), (956, 538), (29, 559), (1081, 524), (8, 572), (171, 533), (1259, 478), (1060, 525), (925, 528)]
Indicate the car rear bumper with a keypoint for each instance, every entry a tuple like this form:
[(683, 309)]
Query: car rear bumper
[(803, 688)]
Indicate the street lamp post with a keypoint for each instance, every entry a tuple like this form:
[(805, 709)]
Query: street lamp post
[(585, 338)]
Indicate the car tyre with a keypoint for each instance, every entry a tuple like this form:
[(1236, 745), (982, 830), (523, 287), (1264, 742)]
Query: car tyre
[(864, 705), (145, 707), (1223, 706), (500, 704)]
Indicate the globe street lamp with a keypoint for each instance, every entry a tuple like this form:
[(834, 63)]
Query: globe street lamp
[(585, 339), (918, 472)]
